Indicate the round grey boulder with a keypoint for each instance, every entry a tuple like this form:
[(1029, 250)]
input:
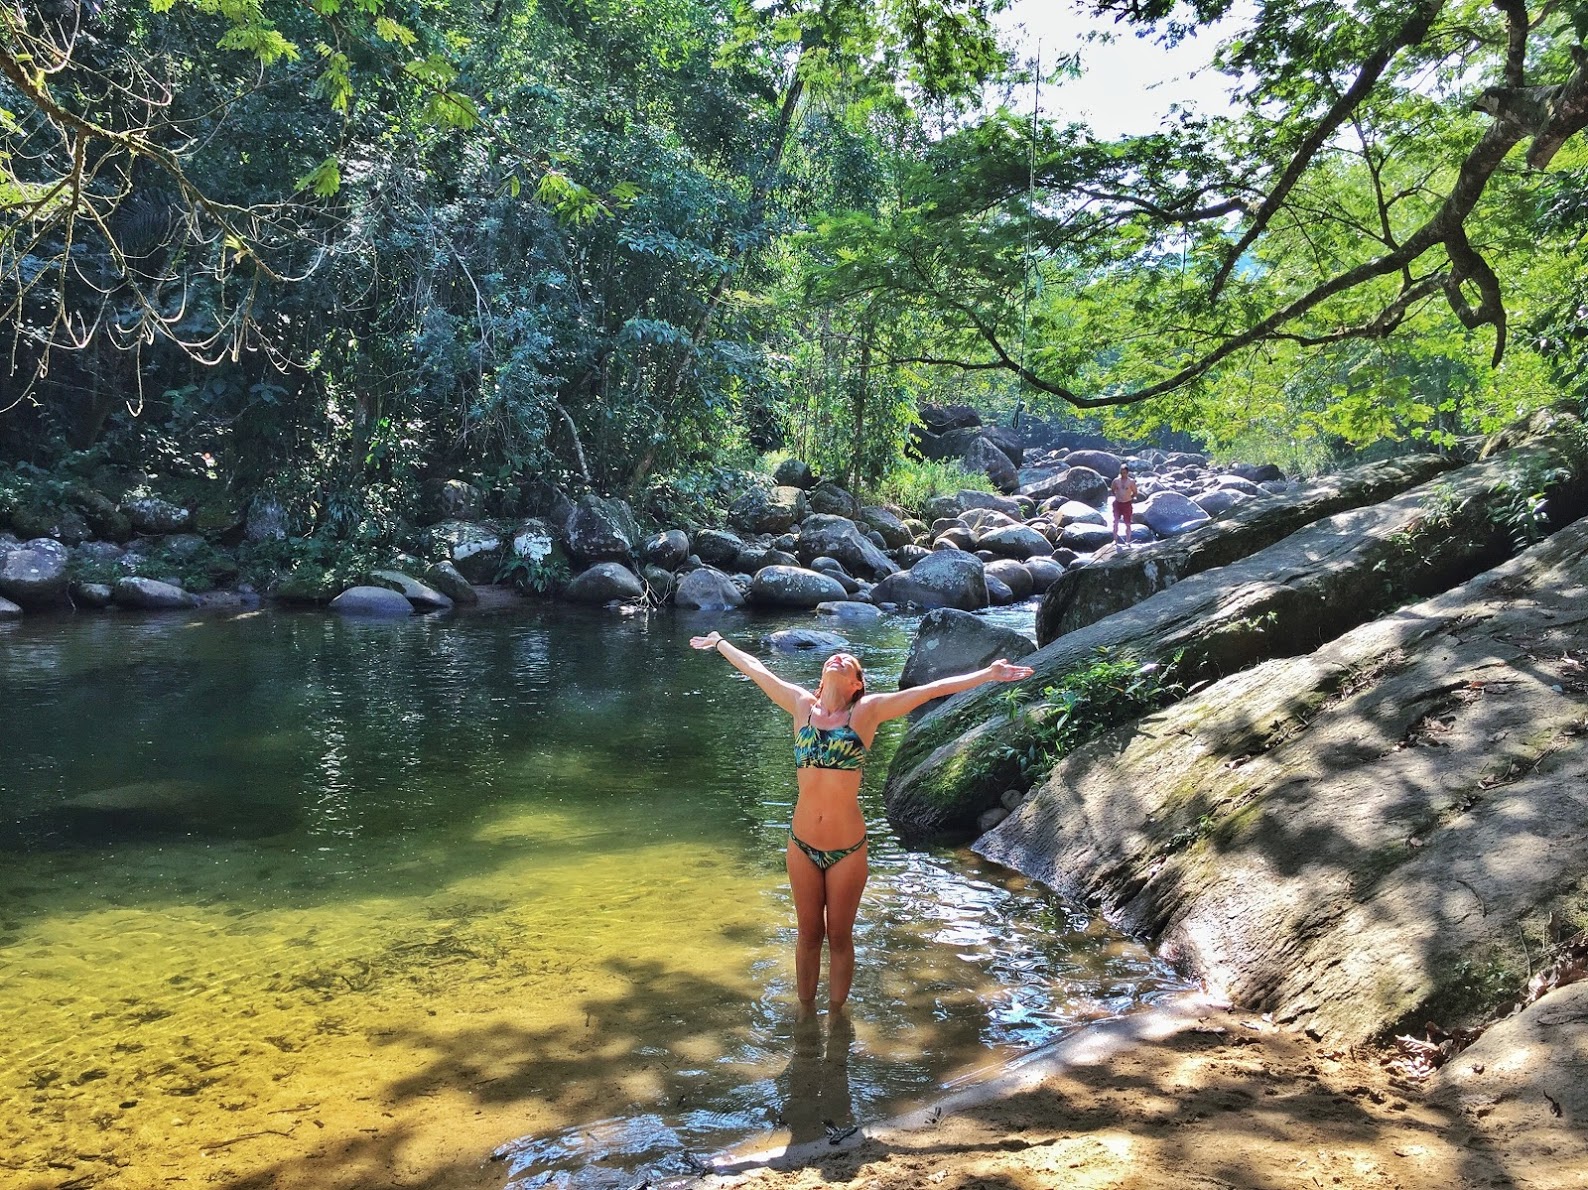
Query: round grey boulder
[(91, 594), (667, 550), (1257, 472), (895, 533), (792, 473), (363, 601), (1044, 573), (601, 530), (999, 593), (986, 458), (1015, 541), (1169, 514), (951, 642), (829, 499), (956, 537), (792, 586), (1007, 441), (1084, 484), (33, 574), (985, 520), (950, 444), (707, 589), (772, 511), (424, 598), (476, 550), (833, 568), (445, 577), (147, 594), (1104, 462), (988, 819), (941, 418), (1013, 575), (157, 517), (605, 582), (660, 581), (1238, 483), (839, 537), (968, 498), (532, 540), (944, 578), (718, 547), (1041, 485), (1085, 539), (1219, 501), (752, 557), (1072, 512)]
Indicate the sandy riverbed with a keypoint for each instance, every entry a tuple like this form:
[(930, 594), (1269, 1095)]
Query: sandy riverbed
[(1205, 1096)]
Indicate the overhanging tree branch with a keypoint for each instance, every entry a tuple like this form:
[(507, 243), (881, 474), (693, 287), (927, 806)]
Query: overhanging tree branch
[(1414, 30)]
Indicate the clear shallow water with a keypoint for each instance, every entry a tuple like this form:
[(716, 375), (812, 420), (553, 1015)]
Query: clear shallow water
[(286, 896)]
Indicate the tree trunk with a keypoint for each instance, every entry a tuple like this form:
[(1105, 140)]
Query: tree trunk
[(1283, 601)]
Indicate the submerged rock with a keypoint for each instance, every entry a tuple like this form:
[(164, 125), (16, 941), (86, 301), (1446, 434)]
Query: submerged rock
[(707, 590), (371, 601), (802, 640), (422, 597), (792, 586), (166, 807), (605, 582), (147, 594)]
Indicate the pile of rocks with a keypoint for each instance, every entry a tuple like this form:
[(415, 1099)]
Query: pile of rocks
[(794, 543)]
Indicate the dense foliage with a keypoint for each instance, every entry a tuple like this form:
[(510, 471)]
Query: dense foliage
[(324, 252)]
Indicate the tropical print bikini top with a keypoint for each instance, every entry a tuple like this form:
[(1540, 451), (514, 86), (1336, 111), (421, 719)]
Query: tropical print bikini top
[(829, 748)]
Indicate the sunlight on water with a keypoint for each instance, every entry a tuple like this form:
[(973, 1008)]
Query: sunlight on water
[(291, 901)]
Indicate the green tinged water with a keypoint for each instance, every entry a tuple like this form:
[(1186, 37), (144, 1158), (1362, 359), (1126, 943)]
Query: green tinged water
[(290, 896)]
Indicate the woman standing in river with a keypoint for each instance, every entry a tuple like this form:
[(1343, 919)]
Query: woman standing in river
[(826, 854)]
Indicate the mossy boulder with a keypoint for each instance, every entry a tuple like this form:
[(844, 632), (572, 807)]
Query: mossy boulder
[(1362, 838), (1286, 600), (1087, 594)]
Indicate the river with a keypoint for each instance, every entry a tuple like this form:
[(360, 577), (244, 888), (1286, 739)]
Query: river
[(288, 899)]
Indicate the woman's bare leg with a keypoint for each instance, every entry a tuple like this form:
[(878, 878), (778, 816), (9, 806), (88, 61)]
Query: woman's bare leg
[(805, 881), (846, 880)]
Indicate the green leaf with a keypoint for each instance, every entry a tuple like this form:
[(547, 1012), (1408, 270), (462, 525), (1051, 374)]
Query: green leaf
[(324, 179), (389, 30)]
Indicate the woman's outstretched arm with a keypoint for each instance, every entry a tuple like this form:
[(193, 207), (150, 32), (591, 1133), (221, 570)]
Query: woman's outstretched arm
[(785, 694), (883, 707)]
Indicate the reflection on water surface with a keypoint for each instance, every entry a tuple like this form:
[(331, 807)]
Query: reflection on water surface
[(288, 897)]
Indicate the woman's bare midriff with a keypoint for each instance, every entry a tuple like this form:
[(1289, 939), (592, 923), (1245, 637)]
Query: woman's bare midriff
[(827, 815)]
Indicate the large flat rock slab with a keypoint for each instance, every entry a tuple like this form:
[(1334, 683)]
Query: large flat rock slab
[(1357, 839), (1283, 601), (1088, 593)]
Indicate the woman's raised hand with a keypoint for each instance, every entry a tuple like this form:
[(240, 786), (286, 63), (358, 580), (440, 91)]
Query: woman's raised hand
[(709, 641), (1005, 671)]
